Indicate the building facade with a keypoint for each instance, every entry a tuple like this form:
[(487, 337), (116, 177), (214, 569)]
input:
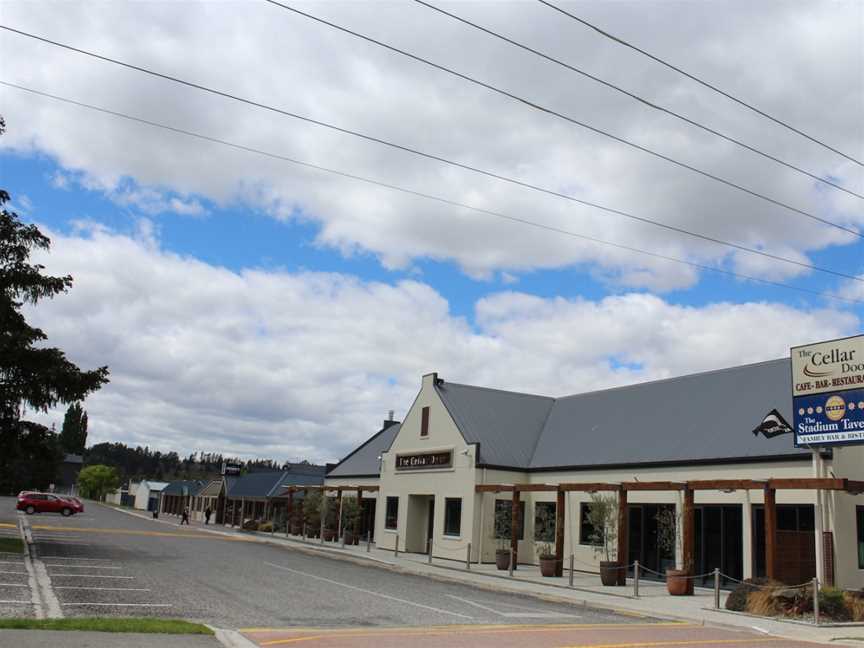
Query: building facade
[(437, 473)]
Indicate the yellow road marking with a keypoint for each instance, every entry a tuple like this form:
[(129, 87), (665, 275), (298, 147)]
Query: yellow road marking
[(173, 534), (4, 525), (691, 642), (449, 630), (456, 627)]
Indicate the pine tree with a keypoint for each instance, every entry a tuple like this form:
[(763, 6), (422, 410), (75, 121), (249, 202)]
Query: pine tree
[(73, 436)]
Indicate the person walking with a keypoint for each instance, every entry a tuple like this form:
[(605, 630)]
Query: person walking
[(185, 518), (207, 514)]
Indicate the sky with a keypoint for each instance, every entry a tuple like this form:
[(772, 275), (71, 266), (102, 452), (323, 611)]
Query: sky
[(250, 305)]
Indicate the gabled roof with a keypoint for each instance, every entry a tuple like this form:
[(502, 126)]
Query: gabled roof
[(696, 418), (184, 487), (153, 485), (363, 462), (268, 484)]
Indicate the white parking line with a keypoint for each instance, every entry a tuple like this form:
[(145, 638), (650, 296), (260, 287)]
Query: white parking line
[(6, 571), (373, 593), (89, 576), (14, 585), (163, 605), (538, 614), (75, 558), (105, 589), (68, 566), (16, 602)]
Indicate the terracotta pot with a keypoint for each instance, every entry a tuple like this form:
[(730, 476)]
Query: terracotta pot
[(502, 559), (329, 535), (547, 565), (349, 538), (677, 582), (609, 572), (296, 529)]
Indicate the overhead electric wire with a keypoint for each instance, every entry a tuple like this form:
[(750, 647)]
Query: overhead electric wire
[(554, 113), (438, 158), (700, 81), (638, 98), (420, 194)]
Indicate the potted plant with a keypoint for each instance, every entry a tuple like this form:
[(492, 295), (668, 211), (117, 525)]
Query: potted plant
[(503, 524), (546, 557), (602, 516), (544, 534), (669, 542), (350, 515)]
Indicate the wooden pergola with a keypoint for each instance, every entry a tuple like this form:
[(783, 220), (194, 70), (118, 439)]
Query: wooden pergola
[(339, 490), (688, 522)]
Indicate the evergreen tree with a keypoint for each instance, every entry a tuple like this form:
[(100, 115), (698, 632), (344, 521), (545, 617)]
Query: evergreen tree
[(31, 374), (73, 436)]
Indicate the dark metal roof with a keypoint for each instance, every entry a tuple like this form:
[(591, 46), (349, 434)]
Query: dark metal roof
[(363, 462), (696, 418), (184, 487), (268, 484)]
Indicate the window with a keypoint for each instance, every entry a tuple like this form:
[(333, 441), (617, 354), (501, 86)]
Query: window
[(424, 422), (588, 534), (544, 521), (391, 520), (503, 519), (860, 514), (452, 516)]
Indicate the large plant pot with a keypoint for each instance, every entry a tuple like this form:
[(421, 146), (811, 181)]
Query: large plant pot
[(547, 566), (296, 529), (502, 559), (329, 535), (609, 572), (349, 538), (677, 582)]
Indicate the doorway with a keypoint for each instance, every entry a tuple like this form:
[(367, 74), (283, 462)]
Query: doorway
[(430, 524), (719, 542), (796, 542), (420, 523)]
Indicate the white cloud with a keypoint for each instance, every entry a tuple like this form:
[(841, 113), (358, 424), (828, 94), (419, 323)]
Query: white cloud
[(267, 363), (802, 72)]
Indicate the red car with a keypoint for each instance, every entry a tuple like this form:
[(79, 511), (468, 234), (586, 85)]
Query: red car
[(32, 503)]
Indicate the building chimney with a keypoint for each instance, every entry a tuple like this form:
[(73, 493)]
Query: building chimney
[(389, 420)]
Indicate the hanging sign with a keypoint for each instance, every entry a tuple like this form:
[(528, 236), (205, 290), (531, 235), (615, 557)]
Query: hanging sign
[(230, 468), (828, 392)]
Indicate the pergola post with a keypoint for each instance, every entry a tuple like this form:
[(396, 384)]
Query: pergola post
[(560, 521), (623, 538), (514, 527), (289, 514), (689, 536), (359, 514), (770, 533), (339, 514)]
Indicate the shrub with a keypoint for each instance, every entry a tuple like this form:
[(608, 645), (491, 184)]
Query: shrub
[(267, 527), (737, 599), (855, 605), (763, 603), (832, 603), (250, 525)]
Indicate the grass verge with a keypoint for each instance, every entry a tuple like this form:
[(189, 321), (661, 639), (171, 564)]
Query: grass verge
[(12, 545), (119, 624)]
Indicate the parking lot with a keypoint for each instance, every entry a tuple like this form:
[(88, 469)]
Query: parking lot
[(15, 598)]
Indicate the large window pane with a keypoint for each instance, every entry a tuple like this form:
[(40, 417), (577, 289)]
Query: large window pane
[(503, 512), (452, 516), (860, 511), (544, 521), (391, 520)]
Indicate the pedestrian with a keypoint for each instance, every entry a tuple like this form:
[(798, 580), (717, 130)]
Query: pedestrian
[(207, 514), (185, 518)]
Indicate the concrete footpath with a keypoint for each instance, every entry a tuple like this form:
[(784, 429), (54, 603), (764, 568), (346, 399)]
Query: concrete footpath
[(653, 601), (80, 639)]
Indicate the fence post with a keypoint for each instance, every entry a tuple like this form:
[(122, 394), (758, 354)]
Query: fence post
[(512, 558), (571, 570), (343, 538), (816, 601), (396, 547), (468, 558), (368, 541), (636, 578), (716, 588), (429, 551), (304, 532)]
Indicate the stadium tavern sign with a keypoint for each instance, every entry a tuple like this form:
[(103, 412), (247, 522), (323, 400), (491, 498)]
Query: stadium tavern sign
[(828, 392)]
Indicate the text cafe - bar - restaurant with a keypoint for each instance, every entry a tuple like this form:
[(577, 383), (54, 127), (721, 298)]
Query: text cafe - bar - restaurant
[(757, 470)]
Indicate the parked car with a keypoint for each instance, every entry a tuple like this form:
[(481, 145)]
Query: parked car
[(31, 503)]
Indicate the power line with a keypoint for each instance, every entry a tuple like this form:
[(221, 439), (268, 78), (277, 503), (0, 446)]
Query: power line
[(639, 98), (430, 156), (420, 194), (700, 81), (566, 118)]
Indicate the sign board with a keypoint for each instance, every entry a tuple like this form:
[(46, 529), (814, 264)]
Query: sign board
[(425, 460), (230, 468), (828, 392)]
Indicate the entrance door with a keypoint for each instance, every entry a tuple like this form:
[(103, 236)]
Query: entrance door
[(719, 541), (642, 539), (430, 524)]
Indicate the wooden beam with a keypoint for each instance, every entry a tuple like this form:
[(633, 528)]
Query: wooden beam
[(807, 483), (688, 539), (726, 484), (493, 488), (654, 486), (623, 538), (514, 528), (770, 533), (535, 488), (560, 525), (589, 487)]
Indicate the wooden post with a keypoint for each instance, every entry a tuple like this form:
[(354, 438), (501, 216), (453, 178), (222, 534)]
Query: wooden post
[(623, 538), (514, 527), (688, 539), (289, 514), (359, 514), (339, 530), (560, 516), (770, 533), (303, 510)]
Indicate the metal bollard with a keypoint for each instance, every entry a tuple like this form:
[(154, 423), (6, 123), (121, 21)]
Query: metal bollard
[(512, 560), (304, 532), (571, 570), (343, 540), (368, 541), (636, 578), (429, 551), (716, 588), (816, 601), (396, 547), (468, 558)]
